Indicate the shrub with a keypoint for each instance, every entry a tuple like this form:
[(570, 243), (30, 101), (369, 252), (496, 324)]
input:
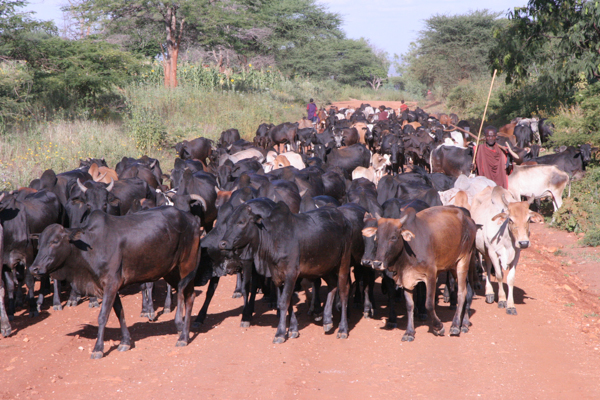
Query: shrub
[(146, 128)]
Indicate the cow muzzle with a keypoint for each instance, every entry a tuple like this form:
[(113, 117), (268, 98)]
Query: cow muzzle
[(377, 265), (523, 244), (223, 245)]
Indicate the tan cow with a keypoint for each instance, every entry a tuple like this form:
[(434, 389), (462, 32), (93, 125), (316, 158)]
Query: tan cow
[(362, 129), (504, 232), (537, 181), (102, 174)]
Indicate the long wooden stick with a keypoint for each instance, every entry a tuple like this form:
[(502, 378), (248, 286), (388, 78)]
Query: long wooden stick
[(483, 119)]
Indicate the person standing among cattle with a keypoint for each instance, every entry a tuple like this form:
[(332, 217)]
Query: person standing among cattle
[(403, 107), (383, 115), (311, 110), (491, 160)]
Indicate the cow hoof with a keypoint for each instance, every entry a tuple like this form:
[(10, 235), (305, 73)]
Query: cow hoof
[(123, 347), (96, 355), (33, 314), (464, 329), (422, 317), (236, 295), (58, 307), (366, 315), (511, 311), (454, 331), (294, 335), (390, 325), (489, 298), (502, 304), (439, 332), (327, 327), (245, 324), (71, 303), (446, 299), (408, 338), (151, 316), (166, 310), (181, 343), (319, 317), (94, 304), (11, 317), (6, 331), (278, 339)]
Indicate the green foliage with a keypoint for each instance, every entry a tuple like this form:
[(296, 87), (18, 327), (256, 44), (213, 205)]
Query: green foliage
[(554, 41), (146, 128), (450, 49), (580, 124), (581, 211)]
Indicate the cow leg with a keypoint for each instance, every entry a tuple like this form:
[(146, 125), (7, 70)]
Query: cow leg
[(421, 294), (344, 291), (293, 331), (238, 286), (147, 303), (56, 297), (168, 300), (30, 283), (110, 292), (465, 322), (510, 281), (284, 300), (10, 289), (489, 289), (74, 298), (93, 302), (409, 335), (328, 311), (210, 292), (188, 295), (316, 308), (125, 336), (500, 279), (248, 287), (436, 324), (5, 328), (460, 275), (368, 286), (390, 287)]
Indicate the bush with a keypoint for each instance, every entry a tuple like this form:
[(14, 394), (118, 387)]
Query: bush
[(581, 211), (146, 128)]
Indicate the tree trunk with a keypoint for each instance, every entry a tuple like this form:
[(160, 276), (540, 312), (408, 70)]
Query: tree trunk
[(171, 46)]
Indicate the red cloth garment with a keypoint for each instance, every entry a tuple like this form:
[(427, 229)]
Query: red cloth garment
[(491, 163), (383, 116), (403, 107)]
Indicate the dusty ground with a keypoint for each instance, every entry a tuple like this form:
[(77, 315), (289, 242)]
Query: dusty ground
[(551, 350), (430, 105)]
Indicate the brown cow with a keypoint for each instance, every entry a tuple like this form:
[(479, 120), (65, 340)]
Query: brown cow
[(417, 247), (102, 174)]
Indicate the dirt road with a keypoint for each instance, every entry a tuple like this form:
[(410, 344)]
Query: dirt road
[(551, 350)]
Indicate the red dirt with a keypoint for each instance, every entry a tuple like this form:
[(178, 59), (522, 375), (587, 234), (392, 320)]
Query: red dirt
[(550, 350)]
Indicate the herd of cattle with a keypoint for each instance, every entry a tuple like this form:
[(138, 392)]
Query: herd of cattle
[(340, 200)]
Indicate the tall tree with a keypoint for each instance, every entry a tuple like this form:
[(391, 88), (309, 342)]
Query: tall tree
[(556, 42), (452, 48)]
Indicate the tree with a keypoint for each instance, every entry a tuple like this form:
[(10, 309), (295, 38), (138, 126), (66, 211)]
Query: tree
[(554, 42), (451, 49)]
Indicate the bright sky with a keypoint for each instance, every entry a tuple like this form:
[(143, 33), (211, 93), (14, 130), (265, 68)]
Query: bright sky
[(388, 24)]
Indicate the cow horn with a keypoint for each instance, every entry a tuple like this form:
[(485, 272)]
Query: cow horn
[(110, 185), (100, 177), (83, 188), (198, 198), (504, 199)]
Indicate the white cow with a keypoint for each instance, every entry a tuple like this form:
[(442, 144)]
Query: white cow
[(504, 232), (537, 181)]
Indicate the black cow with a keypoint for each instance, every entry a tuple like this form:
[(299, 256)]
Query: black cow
[(5, 328), (197, 149), (145, 162), (112, 252), (452, 161), (524, 135), (228, 137), (349, 158), (310, 245), (60, 184), (196, 193), (572, 160)]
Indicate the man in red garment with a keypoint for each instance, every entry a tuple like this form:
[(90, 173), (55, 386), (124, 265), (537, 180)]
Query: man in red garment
[(491, 160), (383, 115)]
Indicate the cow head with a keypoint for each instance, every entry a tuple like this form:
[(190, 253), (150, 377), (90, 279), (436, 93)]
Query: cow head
[(242, 228), (517, 215), (54, 247), (391, 235)]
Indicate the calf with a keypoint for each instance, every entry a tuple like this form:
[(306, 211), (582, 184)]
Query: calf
[(112, 252), (311, 245), (416, 247), (504, 232)]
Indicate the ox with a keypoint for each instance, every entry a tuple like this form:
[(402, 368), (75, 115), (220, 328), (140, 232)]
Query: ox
[(504, 232), (417, 247), (537, 181), (112, 252)]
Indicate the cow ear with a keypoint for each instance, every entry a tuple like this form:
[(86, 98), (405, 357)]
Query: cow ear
[(535, 217), (370, 231), (75, 235), (502, 216), (407, 235), (257, 219)]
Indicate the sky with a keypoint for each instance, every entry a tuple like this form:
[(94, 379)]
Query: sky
[(390, 25)]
